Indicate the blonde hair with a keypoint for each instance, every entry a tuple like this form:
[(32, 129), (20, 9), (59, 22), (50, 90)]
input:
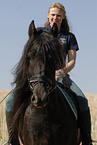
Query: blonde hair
[(64, 22)]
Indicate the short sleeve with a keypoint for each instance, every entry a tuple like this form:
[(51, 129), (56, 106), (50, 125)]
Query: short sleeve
[(72, 42)]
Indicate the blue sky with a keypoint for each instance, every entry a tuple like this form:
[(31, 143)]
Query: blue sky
[(15, 17)]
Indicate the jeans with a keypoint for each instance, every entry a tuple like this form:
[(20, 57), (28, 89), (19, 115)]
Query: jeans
[(9, 102)]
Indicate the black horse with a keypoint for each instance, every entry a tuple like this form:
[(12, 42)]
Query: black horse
[(41, 114)]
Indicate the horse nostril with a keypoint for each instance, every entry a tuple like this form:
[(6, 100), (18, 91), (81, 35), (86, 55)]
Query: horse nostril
[(40, 102)]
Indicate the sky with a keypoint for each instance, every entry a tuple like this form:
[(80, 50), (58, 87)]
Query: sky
[(15, 17)]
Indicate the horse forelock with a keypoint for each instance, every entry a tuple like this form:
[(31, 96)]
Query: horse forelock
[(47, 48)]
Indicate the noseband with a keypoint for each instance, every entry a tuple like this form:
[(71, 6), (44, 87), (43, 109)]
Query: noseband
[(40, 79)]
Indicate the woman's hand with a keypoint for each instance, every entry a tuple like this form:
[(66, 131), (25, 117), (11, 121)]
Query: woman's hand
[(59, 74)]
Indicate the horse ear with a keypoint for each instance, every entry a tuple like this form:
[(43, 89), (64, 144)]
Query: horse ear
[(32, 30), (54, 30)]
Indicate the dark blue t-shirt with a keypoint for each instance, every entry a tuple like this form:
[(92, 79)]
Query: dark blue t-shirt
[(68, 41)]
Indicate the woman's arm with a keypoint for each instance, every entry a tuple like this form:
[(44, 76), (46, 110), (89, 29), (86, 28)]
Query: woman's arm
[(71, 61), (70, 65)]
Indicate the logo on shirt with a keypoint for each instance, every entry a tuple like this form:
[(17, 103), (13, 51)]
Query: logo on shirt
[(62, 40)]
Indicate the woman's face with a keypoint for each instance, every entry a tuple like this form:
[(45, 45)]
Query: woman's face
[(55, 15)]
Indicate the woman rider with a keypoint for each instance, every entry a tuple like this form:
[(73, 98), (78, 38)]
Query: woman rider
[(57, 14)]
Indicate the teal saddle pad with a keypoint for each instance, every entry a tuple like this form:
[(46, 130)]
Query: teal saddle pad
[(69, 101)]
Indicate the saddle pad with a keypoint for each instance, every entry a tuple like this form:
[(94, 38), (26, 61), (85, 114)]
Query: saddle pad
[(69, 101)]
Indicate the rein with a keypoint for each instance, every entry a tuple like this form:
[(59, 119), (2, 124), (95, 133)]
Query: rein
[(94, 141), (5, 97)]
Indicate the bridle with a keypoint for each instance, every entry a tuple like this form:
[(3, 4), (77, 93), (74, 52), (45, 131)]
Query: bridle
[(40, 79), (36, 79)]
